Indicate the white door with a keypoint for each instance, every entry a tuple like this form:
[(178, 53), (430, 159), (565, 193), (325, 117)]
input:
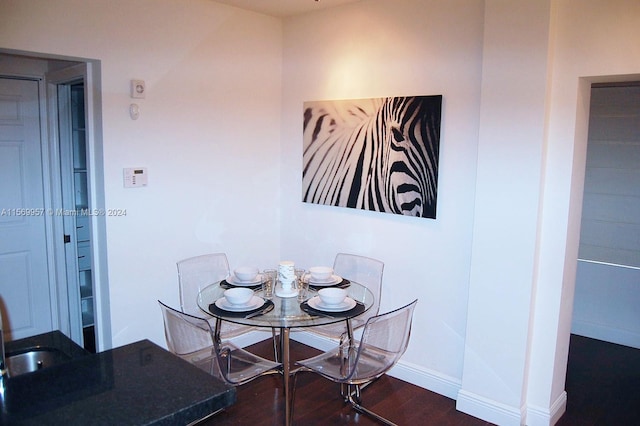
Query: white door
[(24, 277)]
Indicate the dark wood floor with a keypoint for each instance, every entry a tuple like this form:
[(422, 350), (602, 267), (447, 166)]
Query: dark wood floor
[(603, 386)]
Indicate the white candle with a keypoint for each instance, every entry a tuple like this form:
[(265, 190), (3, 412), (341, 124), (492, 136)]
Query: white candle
[(286, 272)]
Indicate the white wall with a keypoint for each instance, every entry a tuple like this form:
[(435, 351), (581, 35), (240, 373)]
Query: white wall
[(606, 303), (347, 60), (528, 387), (528, 188), (222, 124), (374, 49), (592, 42), (512, 128), (208, 132)]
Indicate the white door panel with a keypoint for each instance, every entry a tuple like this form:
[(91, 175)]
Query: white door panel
[(24, 277)]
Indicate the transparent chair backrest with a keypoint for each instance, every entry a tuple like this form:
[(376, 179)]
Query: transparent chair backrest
[(197, 272), (363, 270), (384, 339), (190, 338)]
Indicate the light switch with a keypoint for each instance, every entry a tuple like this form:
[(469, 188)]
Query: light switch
[(135, 177)]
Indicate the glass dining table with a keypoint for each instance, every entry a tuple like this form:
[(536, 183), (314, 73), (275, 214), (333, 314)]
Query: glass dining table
[(285, 314)]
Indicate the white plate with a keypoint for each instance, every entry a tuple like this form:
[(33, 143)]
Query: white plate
[(237, 281), (254, 303), (316, 303), (333, 280)]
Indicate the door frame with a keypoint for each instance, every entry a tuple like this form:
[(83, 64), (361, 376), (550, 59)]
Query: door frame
[(88, 71), (61, 164)]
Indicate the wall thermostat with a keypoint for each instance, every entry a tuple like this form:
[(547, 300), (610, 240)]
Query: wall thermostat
[(135, 177), (138, 89)]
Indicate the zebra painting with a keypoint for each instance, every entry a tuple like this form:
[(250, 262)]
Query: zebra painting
[(374, 154)]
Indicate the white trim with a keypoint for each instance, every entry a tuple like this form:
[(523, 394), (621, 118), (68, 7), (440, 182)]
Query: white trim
[(606, 333), (488, 410), (539, 416), (58, 320), (314, 340), (93, 116), (65, 270), (427, 379), (89, 72), (57, 258), (250, 338)]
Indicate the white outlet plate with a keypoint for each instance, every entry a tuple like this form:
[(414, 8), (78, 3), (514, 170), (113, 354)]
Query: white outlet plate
[(138, 89)]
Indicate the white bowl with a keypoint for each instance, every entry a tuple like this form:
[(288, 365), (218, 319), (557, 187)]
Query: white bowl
[(321, 272), (238, 295), (332, 295), (246, 273)]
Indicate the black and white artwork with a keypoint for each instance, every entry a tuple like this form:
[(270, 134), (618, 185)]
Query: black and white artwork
[(377, 154)]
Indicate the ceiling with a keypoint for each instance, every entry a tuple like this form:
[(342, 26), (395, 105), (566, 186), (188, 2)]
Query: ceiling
[(284, 8)]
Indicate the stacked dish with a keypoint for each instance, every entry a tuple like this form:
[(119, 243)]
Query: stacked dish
[(332, 300), (245, 276), (239, 300), (322, 276)]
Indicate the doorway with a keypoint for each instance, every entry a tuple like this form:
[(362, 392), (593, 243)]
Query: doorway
[(75, 279), (74, 177), (607, 294)]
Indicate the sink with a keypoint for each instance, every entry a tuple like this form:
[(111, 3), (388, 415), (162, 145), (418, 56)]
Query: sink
[(39, 352), (34, 359)]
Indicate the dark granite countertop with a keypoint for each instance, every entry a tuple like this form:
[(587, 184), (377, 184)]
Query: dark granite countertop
[(137, 384), (54, 339)]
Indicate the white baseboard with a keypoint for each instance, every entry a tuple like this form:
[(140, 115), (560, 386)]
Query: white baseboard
[(488, 410), (426, 379), (605, 333), (538, 416), (500, 414), (248, 339)]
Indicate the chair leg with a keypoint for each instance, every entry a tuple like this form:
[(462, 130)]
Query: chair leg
[(364, 385), (344, 390), (347, 391), (361, 409), (358, 394), (293, 395), (275, 344)]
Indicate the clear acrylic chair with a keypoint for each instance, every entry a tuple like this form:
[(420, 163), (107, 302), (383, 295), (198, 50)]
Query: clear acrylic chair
[(197, 272), (192, 339), (384, 340), (365, 271)]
